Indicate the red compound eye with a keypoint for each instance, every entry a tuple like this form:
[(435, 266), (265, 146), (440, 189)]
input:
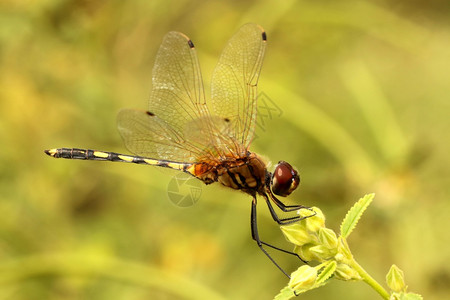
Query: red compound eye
[(285, 179)]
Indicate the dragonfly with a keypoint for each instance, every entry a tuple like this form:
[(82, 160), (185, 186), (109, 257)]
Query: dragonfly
[(208, 139)]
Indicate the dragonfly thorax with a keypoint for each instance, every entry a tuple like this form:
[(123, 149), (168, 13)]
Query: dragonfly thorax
[(247, 173)]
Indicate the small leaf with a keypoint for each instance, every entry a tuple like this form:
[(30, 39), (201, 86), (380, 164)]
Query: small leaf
[(405, 296), (411, 296), (285, 294), (354, 214), (326, 272)]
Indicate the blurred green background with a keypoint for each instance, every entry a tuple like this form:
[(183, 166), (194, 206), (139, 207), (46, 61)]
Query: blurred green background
[(362, 94)]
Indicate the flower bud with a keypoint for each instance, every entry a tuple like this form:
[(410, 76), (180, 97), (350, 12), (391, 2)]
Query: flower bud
[(328, 238), (316, 221), (345, 272), (303, 278), (343, 250), (395, 279), (297, 234), (322, 253), (304, 252)]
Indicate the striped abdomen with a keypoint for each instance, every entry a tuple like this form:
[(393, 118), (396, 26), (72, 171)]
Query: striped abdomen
[(87, 154)]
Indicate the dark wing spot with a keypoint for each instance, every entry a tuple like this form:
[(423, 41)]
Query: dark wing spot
[(191, 44), (264, 36), (150, 113), (226, 120)]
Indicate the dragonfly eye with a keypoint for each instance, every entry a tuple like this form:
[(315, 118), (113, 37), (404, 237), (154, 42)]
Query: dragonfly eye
[(285, 179)]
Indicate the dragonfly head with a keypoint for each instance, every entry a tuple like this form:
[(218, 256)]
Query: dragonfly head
[(285, 179)]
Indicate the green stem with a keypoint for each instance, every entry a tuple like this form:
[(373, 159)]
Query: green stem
[(368, 279)]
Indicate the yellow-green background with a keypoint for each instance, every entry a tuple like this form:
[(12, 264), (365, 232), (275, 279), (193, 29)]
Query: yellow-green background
[(364, 89)]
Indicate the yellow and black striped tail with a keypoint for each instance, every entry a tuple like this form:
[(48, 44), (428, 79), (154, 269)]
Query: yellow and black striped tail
[(87, 154)]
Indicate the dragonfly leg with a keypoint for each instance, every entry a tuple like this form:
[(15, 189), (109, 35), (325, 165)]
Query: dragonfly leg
[(281, 221), (284, 207), (255, 236)]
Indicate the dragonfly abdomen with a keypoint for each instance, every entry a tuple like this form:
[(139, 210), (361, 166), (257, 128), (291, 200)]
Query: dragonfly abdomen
[(88, 154)]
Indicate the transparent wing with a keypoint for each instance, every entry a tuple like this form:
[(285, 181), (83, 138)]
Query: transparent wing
[(235, 79), (177, 99), (178, 125), (148, 135), (177, 88)]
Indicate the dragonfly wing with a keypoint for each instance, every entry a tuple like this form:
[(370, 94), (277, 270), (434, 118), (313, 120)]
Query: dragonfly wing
[(148, 135), (177, 88), (235, 79), (177, 101)]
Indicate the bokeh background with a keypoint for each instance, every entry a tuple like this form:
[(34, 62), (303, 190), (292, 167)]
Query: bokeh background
[(360, 97)]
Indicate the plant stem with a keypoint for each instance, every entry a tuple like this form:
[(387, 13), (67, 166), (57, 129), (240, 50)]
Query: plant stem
[(369, 280)]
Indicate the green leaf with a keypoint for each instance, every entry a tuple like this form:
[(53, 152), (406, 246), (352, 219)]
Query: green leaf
[(406, 296), (354, 214), (285, 294), (327, 272), (411, 296)]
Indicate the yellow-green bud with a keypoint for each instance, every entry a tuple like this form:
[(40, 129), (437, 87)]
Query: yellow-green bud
[(322, 253), (328, 238), (304, 252), (339, 257), (343, 249), (344, 272), (303, 278), (395, 279), (315, 222), (297, 234)]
